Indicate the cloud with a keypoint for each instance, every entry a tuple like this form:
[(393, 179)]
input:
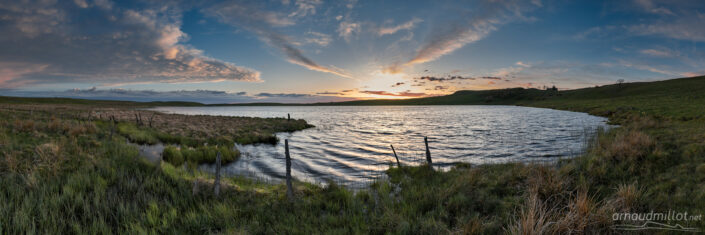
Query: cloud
[(473, 27), (398, 84), (444, 79), (676, 19), (262, 23), (651, 7), (694, 74), (347, 30), (393, 29), (522, 64), (684, 28), (329, 93), (649, 68), (439, 88), (658, 52), (321, 39), (597, 32), (288, 95), (117, 46), (305, 7), (9, 71), (202, 96), (492, 78), (81, 3), (400, 94)]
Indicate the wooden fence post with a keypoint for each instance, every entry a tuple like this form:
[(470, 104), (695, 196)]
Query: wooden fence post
[(216, 188), (395, 155), (112, 128), (150, 119), (428, 153), (289, 190), (288, 117)]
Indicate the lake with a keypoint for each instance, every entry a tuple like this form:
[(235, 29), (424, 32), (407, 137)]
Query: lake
[(351, 144)]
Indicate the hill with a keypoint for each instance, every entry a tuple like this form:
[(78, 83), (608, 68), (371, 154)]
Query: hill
[(108, 103), (681, 98)]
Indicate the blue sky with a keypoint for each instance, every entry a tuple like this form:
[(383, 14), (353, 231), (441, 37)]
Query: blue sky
[(318, 50)]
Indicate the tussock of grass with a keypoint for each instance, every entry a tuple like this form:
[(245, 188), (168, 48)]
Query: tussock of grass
[(207, 154), (172, 154)]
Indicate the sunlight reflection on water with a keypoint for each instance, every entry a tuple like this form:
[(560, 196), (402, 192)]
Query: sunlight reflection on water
[(350, 144)]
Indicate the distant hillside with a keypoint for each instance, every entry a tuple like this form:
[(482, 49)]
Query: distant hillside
[(56, 100), (685, 98), (496, 97)]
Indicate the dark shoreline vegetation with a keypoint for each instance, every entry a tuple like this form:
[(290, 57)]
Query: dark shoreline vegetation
[(69, 175)]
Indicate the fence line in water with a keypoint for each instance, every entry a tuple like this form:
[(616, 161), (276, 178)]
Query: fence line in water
[(409, 158)]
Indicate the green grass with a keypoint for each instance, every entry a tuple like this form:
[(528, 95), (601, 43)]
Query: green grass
[(69, 176), (202, 154)]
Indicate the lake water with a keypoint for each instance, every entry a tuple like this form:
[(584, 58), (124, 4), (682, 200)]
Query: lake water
[(351, 144)]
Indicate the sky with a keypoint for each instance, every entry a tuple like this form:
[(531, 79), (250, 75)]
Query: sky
[(304, 51)]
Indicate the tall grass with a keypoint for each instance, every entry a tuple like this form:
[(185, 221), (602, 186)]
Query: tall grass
[(66, 175)]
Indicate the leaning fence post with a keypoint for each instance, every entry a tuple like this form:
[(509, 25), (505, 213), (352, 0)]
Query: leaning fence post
[(216, 189), (395, 155), (428, 153), (289, 191)]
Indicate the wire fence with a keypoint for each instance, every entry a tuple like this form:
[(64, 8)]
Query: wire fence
[(364, 178)]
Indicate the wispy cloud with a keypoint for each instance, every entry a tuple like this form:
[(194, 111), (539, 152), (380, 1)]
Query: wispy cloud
[(262, 23), (676, 19), (652, 7), (399, 94), (288, 95), (694, 74), (305, 7), (658, 52), (393, 29), (478, 24), (347, 30), (329, 93), (649, 68), (444, 79), (320, 39)]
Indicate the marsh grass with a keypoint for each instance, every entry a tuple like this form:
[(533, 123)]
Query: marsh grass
[(55, 180)]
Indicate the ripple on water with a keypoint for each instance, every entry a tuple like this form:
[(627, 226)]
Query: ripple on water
[(351, 143)]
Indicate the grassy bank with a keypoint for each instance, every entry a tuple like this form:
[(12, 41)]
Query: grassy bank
[(71, 175)]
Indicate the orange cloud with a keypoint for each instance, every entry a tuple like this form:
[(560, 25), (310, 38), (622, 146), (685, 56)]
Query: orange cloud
[(402, 94)]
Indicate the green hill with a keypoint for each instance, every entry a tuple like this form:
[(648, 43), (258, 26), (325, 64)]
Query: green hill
[(682, 98)]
